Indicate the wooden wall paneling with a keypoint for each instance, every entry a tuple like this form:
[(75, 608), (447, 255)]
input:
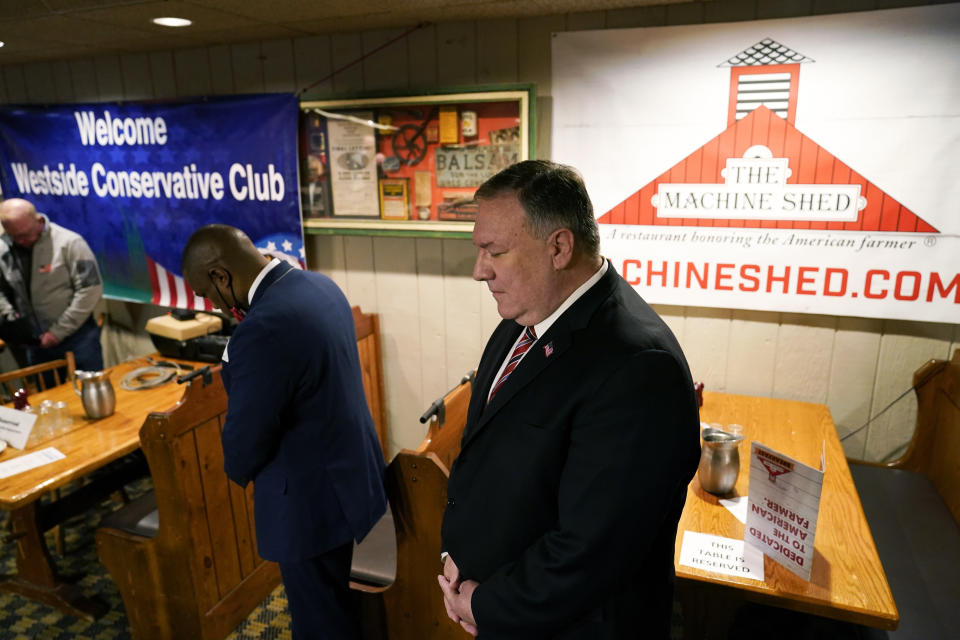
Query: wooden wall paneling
[(135, 74), (431, 308), (192, 67), (395, 264), (39, 83), (752, 352), (3, 87), (109, 78), (422, 57), (534, 51), (534, 48), (465, 338), (361, 279), (585, 20), (904, 347), (63, 81), (311, 59), (456, 54), (221, 69), (783, 8), (278, 67), (636, 17), (842, 6), (685, 13), (84, 81), (706, 336), (15, 83), (496, 51), (853, 368), (162, 74), (346, 49), (326, 255), (386, 69), (804, 353), (247, 67), (729, 11)]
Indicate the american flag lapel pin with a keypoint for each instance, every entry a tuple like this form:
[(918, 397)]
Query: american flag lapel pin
[(548, 349)]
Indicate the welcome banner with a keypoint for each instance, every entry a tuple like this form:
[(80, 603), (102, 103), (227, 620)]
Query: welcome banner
[(135, 180), (799, 165)]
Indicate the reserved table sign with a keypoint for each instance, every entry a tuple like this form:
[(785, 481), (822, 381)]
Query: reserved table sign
[(728, 556), (15, 426), (784, 501)]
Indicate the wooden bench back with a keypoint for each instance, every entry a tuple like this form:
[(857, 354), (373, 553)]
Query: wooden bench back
[(417, 488), (935, 447), (206, 543), (32, 379), (367, 326), (444, 434)]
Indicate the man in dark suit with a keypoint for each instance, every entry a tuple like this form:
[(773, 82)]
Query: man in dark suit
[(581, 436), (297, 421)]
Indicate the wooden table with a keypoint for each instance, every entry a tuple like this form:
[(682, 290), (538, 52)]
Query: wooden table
[(847, 580), (88, 446)]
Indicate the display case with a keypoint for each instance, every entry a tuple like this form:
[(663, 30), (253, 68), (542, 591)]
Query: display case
[(408, 165)]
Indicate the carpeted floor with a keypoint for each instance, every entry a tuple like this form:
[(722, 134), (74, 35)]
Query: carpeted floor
[(24, 619)]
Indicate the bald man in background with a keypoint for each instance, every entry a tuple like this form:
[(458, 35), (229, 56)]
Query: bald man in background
[(51, 280)]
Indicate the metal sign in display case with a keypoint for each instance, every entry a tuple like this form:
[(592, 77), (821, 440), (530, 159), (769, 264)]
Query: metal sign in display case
[(408, 165)]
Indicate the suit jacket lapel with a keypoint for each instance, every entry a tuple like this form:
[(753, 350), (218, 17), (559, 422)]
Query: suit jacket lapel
[(559, 338)]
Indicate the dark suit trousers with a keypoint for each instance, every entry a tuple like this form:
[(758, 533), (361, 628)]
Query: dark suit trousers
[(318, 593)]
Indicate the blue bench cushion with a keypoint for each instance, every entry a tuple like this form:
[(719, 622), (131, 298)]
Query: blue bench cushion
[(919, 544)]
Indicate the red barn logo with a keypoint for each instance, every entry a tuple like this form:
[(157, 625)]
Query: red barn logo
[(762, 171)]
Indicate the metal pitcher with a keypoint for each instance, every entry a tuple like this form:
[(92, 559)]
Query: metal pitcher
[(719, 461), (96, 392)]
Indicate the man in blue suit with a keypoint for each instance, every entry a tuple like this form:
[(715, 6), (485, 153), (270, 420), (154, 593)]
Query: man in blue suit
[(297, 421)]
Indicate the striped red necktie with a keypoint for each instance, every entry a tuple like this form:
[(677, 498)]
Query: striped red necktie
[(529, 337)]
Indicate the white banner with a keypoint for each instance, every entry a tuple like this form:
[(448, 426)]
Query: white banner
[(807, 164)]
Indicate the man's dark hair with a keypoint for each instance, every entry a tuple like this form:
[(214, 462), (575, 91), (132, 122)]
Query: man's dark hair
[(553, 197)]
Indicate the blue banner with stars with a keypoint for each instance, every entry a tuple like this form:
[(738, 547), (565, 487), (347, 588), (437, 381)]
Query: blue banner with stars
[(135, 180)]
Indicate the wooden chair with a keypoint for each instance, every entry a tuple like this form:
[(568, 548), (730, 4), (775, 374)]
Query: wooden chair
[(184, 556), (32, 378), (367, 327), (913, 507), (40, 377), (412, 606)]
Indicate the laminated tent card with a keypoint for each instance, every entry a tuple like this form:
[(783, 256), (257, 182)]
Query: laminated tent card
[(784, 501)]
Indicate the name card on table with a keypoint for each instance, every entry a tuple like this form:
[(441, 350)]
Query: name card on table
[(30, 461), (728, 556), (784, 501), (15, 426)]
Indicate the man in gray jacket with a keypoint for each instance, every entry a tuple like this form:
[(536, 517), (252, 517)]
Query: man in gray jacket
[(51, 285)]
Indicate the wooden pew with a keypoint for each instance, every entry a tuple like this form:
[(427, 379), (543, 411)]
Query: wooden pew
[(367, 327), (412, 606), (198, 575), (913, 507)]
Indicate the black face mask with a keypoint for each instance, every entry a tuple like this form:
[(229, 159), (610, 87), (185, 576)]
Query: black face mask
[(237, 311)]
